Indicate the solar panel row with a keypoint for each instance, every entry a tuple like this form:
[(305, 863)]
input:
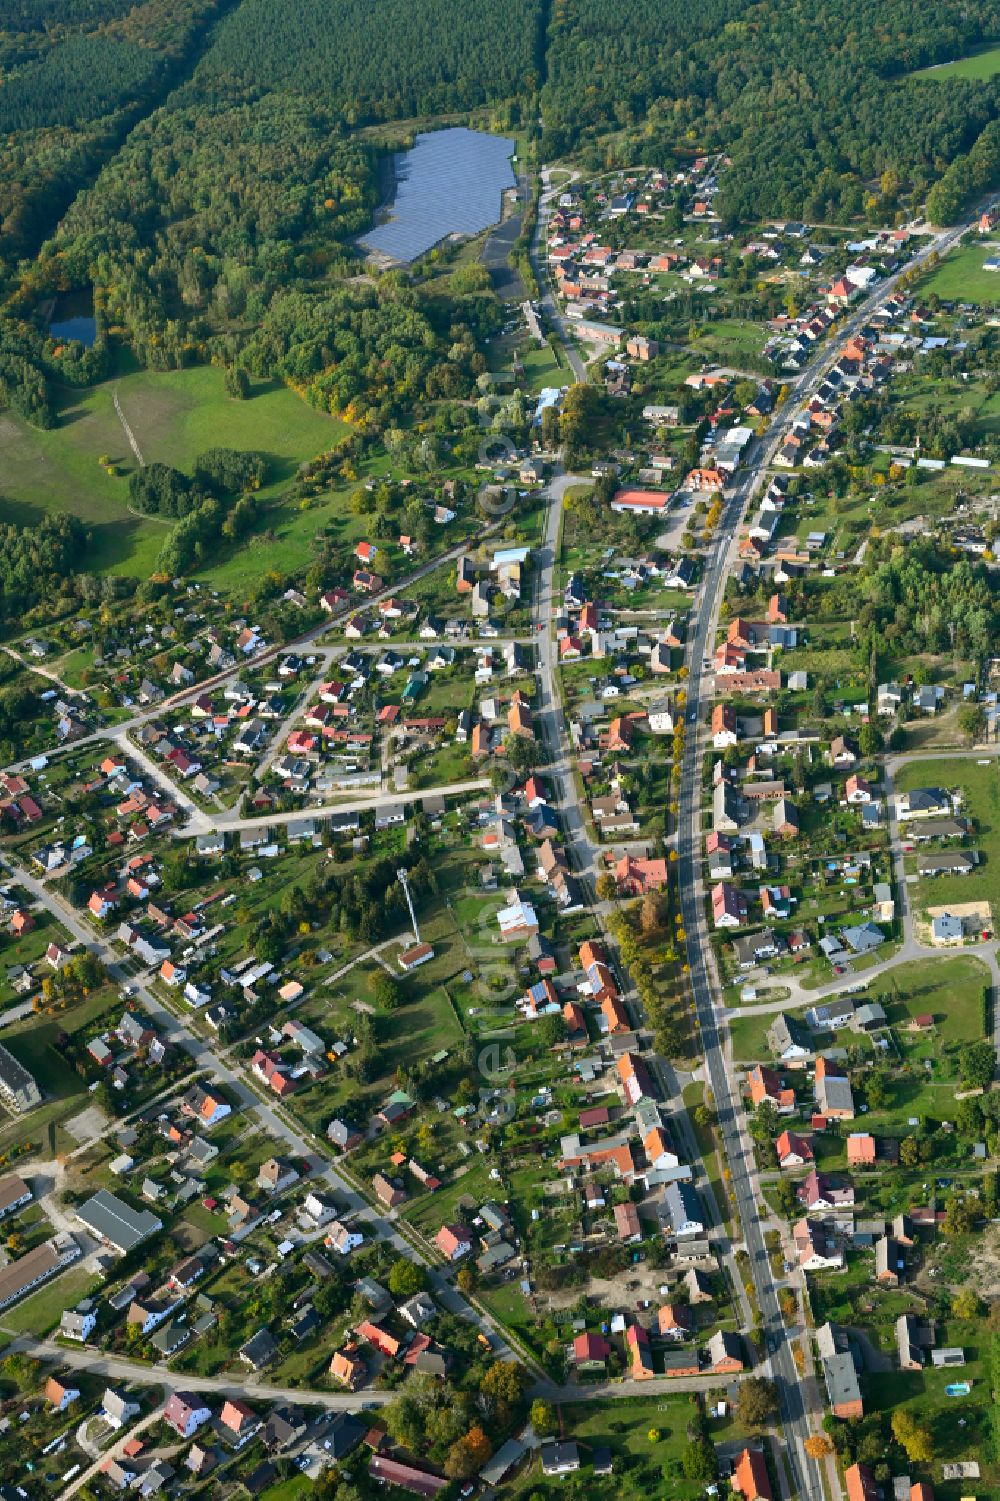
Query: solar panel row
[(449, 182)]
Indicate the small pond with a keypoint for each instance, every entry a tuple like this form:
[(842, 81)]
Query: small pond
[(73, 318)]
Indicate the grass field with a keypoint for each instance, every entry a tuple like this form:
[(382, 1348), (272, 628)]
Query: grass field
[(646, 1467), (978, 65), (981, 804), (960, 276), (40, 1313), (732, 340), (174, 416), (950, 989)]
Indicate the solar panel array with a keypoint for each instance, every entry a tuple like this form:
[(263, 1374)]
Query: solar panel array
[(449, 182)]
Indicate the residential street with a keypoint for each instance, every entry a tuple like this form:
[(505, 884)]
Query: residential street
[(802, 1407)]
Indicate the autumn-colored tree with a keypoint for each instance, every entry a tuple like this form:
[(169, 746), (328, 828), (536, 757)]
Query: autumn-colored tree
[(914, 1437), (818, 1446), (543, 1417), (965, 1303)]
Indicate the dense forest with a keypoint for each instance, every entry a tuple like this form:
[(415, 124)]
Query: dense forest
[(37, 561), (76, 75), (210, 208), (81, 79), (384, 59), (812, 102)]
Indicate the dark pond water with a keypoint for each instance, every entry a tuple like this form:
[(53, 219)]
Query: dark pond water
[(73, 318)]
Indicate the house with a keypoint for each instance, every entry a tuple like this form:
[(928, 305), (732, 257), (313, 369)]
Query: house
[(817, 1191), (627, 1223), (698, 1287), (947, 928), (387, 1191), (860, 1483), (843, 752), (724, 726), (682, 1209), (59, 1394), (834, 1097), (639, 1353), (185, 1413), (765, 1085), (729, 905), (889, 1261), (793, 1150), (913, 1340), (560, 1457), (785, 819), (861, 1149), (259, 1351), (842, 1387), (674, 1321), (348, 1368), (453, 1241), (857, 790), (725, 1353), (924, 802), (816, 1250), (116, 1410), (948, 862), (238, 1422), (750, 1478), (276, 1174), (787, 1040), (79, 1323), (591, 1353)]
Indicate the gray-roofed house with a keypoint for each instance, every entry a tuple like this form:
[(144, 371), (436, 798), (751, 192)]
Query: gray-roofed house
[(259, 1351), (842, 1388), (786, 1039), (862, 938), (683, 1210)]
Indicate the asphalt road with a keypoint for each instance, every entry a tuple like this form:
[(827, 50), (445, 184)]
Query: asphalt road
[(795, 1414)]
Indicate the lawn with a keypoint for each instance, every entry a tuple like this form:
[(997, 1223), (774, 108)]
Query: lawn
[(980, 788), (732, 340), (174, 416), (41, 1312), (960, 1426), (949, 988), (960, 276), (978, 65), (647, 1467)]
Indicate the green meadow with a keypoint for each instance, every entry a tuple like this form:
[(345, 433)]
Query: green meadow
[(174, 416)]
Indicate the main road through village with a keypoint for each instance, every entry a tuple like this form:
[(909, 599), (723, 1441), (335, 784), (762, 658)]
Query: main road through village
[(797, 1418)]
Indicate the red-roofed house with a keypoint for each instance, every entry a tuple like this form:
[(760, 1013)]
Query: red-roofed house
[(750, 1478), (793, 1150), (453, 1241)]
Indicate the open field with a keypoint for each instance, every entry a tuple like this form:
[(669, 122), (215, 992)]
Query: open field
[(950, 989), (644, 1466), (960, 276), (174, 416), (40, 1313), (978, 65), (981, 806)]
